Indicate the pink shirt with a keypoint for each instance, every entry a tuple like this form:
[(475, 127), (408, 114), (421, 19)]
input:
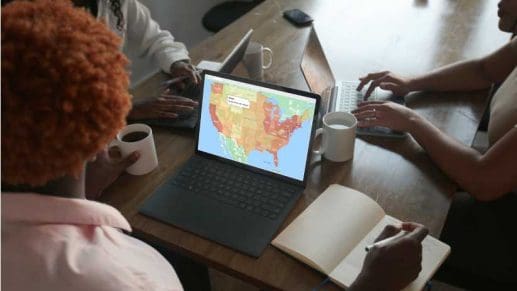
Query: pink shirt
[(52, 243)]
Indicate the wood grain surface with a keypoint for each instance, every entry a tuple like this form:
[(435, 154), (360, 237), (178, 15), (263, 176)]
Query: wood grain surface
[(408, 37)]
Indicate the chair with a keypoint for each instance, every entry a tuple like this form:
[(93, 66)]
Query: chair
[(219, 16)]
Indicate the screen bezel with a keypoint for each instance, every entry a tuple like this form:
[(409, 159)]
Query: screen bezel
[(269, 86)]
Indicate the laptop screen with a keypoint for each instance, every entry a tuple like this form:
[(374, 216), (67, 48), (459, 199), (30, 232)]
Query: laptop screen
[(257, 126)]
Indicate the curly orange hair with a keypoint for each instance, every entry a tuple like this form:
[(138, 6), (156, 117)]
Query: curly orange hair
[(64, 90)]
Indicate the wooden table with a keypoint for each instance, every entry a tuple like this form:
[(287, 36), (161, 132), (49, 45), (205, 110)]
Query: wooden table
[(407, 37)]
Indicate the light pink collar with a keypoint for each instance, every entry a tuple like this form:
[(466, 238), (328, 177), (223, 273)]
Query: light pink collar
[(36, 208)]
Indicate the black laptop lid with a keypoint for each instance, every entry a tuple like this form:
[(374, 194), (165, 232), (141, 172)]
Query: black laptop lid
[(262, 127)]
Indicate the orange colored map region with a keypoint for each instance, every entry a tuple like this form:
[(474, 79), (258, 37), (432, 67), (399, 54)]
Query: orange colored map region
[(281, 130), (215, 119), (255, 128), (217, 88)]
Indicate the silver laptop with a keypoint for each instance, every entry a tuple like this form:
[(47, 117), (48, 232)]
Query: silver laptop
[(339, 95), (231, 61), (189, 121)]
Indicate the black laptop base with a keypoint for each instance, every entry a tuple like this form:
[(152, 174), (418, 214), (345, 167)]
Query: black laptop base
[(245, 222)]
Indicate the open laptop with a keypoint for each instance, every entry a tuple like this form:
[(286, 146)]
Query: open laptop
[(339, 95), (231, 60), (192, 91), (250, 164)]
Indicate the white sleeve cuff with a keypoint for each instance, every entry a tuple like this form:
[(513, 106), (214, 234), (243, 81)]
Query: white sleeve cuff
[(167, 56)]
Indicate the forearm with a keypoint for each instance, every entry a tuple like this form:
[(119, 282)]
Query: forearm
[(461, 163), (462, 76)]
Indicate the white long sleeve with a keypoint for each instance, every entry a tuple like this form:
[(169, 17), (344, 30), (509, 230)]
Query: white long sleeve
[(142, 35)]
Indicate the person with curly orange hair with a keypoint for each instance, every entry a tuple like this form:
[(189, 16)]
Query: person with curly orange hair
[(64, 97), (132, 21)]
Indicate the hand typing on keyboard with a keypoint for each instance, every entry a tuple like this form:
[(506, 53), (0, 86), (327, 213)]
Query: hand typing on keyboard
[(166, 106), (386, 114), (385, 80)]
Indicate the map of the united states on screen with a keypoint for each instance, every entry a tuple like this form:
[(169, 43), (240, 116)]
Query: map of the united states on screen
[(261, 128)]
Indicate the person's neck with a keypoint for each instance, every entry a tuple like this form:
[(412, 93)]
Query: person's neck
[(66, 187)]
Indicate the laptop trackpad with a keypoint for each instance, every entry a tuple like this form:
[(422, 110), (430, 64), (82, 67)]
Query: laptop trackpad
[(230, 226)]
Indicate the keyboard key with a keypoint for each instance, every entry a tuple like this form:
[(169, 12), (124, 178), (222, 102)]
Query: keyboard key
[(348, 97)]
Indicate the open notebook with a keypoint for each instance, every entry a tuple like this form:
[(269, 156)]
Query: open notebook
[(332, 233)]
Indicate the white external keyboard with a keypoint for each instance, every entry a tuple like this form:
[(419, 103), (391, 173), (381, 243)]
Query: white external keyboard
[(347, 97)]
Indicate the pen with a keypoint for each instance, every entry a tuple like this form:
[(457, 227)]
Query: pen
[(174, 80), (178, 79), (384, 241)]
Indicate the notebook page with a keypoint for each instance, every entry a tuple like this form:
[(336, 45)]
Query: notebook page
[(330, 227)]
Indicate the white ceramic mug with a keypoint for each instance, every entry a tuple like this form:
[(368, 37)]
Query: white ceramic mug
[(338, 136), (254, 60), (137, 137)]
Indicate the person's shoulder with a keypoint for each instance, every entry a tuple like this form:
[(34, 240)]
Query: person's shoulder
[(126, 263), (513, 45)]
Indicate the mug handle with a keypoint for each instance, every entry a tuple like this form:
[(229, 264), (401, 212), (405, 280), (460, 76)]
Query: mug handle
[(266, 49), (322, 148), (116, 143)]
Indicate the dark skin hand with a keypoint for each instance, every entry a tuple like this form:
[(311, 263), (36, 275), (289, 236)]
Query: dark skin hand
[(394, 265), (187, 70), (169, 104), (105, 169)]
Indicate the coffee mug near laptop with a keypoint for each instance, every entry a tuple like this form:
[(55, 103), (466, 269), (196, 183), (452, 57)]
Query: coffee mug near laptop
[(254, 60), (137, 137), (338, 136)]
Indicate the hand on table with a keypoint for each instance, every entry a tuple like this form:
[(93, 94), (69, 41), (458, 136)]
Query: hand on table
[(397, 263), (105, 169), (386, 114), (385, 80)]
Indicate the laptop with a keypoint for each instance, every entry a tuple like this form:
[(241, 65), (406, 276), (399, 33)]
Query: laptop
[(192, 91), (231, 60), (340, 95), (250, 164)]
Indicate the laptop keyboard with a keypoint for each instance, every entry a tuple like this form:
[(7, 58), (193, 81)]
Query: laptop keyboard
[(348, 97), (236, 187)]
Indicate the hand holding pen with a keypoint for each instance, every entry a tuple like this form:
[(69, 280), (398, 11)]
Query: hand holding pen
[(392, 233), (171, 82), (394, 260), (186, 73)]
